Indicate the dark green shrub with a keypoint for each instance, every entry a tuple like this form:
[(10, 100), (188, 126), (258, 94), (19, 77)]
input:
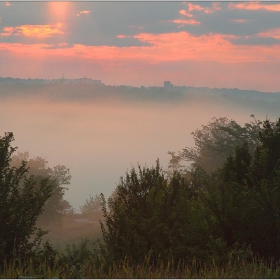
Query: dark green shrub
[(244, 197), (150, 214)]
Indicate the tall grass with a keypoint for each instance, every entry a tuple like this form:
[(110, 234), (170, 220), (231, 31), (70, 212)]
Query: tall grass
[(97, 267)]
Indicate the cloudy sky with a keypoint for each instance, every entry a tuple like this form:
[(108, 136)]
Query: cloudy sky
[(214, 44)]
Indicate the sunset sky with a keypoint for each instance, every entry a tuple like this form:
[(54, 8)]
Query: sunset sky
[(213, 44)]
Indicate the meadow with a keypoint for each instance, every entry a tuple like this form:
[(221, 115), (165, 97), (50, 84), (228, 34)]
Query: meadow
[(73, 228)]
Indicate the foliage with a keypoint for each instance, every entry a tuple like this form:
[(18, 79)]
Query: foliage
[(223, 224), (66, 208), (217, 140), (21, 202), (206, 216), (174, 165), (152, 214), (92, 205), (58, 176), (244, 196)]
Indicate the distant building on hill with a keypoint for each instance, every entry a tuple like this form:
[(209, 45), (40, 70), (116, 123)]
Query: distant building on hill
[(167, 85)]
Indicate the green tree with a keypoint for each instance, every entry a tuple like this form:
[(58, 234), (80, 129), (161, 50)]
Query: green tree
[(265, 183), (66, 207), (150, 214), (22, 199), (209, 215), (59, 176), (217, 140), (243, 197), (175, 165), (92, 205)]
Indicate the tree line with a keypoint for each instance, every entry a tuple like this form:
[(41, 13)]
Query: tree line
[(224, 203), (226, 200)]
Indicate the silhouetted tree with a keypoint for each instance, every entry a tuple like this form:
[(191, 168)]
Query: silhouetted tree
[(150, 214), (244, 197), (58, 176), (217, 140), (66, 207), (92, 205), (175, 165), (22, 199)]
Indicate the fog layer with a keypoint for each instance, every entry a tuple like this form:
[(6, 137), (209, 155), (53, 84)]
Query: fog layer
[(99, 139)]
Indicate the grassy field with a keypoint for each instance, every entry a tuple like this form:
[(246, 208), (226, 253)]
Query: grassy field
[(73, 229), (98, 269)]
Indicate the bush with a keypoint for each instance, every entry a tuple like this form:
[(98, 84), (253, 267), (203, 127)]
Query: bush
[(150, 214)]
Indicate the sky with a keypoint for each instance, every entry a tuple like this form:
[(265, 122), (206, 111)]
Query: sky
[(198, 44), (213, 44)]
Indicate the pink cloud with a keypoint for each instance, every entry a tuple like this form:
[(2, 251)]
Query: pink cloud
[(185, 13), (121, 36), (193, 7), (167, 50), (183, 21), (180, 46), (206, 10), (7, 31), (272, 33), (216, 47), (254, 6), (216, 6), (239, 20), (83, 13)]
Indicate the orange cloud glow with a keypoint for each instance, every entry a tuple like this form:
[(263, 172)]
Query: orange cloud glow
[(206, 10), (254, 6), (169, 47), (184, 13), (7, 31), (193, 7), (83, 13), (213, 54), (38, 31), (272, 33), (239, 20), (121, 36), (180, 47), (183, 46), (183, 21)]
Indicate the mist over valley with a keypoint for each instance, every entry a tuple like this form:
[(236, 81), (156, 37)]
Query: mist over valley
[(100, 131)]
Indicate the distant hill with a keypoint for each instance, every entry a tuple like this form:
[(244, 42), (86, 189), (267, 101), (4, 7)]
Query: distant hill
[(84, 89)]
